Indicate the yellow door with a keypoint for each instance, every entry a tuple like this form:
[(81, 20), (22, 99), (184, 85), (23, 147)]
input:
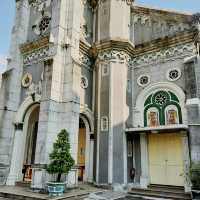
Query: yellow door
[(81, 152), (166, 159)]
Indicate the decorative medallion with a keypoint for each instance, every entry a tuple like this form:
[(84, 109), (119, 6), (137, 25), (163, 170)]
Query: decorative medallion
[(143, 80), (84, 82), (173, 74), (27, 80)]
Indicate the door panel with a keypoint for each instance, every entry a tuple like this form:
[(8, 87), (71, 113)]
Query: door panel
[(81, 152), (166, 159)]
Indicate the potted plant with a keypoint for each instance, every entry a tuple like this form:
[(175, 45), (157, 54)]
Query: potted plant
[(61, 162), (195, 179)]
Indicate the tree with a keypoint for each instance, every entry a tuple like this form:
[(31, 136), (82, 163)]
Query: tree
[(61, 160)]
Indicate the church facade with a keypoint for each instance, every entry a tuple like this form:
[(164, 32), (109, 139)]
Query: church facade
[(122, 79)]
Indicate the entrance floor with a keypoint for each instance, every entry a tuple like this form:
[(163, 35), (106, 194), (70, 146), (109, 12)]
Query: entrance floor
[(15, 193)]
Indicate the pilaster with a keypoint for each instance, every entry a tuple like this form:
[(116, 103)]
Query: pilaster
[(144, 179), (112, 106)]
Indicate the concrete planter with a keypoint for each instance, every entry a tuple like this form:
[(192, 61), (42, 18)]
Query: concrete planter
[(55, 189)]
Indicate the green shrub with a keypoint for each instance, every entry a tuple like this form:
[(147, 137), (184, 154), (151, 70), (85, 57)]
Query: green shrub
[(61, 160)]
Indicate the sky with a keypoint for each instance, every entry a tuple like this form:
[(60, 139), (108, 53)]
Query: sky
[(7, 13)]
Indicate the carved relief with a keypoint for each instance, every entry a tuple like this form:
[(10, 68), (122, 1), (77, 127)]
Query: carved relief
[(158, 27), (121, 56), (39, 5), (27, 80), (35, 88), (84, 59), (163, 55), (38, 55), (86, 22)]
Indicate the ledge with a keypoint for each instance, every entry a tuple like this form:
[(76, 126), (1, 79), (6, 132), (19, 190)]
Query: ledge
[(168, 128)]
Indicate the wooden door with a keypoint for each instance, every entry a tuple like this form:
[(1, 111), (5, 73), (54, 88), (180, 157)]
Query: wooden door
[(81, 152), (166, 159)]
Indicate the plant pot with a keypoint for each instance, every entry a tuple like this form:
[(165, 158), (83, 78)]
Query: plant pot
[(55, 189), (196, 194)]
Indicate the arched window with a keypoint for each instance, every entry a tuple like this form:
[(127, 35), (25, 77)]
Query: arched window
[(162, 108)]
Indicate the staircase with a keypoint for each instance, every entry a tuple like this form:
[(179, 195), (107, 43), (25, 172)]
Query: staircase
[(160, 191)]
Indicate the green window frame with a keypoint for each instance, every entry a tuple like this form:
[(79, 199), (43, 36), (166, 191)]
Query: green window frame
[(161, 100)]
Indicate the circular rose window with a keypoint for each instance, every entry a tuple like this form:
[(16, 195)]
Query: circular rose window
[(143, 80), (173, 74)]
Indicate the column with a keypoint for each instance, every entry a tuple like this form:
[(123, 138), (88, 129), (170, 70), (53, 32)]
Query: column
[(144, 179)]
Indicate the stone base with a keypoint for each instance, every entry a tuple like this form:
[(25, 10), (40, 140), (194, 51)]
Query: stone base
[(3, 174), (72, 178), (39, 179), (144, 182)]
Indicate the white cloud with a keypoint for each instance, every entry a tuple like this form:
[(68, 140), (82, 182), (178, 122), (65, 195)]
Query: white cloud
[(3, 62)]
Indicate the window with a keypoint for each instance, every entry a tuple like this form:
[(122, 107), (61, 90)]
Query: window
[(44, 24), (104, 123), (143, 80), (129, 86), (162, 108), (173, 74)]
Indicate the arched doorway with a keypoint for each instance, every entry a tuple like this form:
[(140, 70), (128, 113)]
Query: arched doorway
[(85, 151), (31, 128)]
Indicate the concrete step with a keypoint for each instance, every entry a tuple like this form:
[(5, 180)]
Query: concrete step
[(161, 193), (177, 189), (23, 184), (19, 193)]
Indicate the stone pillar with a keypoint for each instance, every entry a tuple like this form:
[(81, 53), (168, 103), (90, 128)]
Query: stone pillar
[(108, 26), (11, 91), (144, 179)]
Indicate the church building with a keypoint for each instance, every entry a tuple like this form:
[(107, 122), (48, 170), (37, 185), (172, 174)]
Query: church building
[(122, 79)]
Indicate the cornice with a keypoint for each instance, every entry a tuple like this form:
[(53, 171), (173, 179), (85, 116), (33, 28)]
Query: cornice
[(167, 42), (152, 46), (34, 45)]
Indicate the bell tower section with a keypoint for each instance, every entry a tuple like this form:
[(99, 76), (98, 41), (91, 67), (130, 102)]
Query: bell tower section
[(112, 40)]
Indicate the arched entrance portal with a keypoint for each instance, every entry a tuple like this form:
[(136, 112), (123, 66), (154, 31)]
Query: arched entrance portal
[(85, 151), (23, 154), (31, 128)]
